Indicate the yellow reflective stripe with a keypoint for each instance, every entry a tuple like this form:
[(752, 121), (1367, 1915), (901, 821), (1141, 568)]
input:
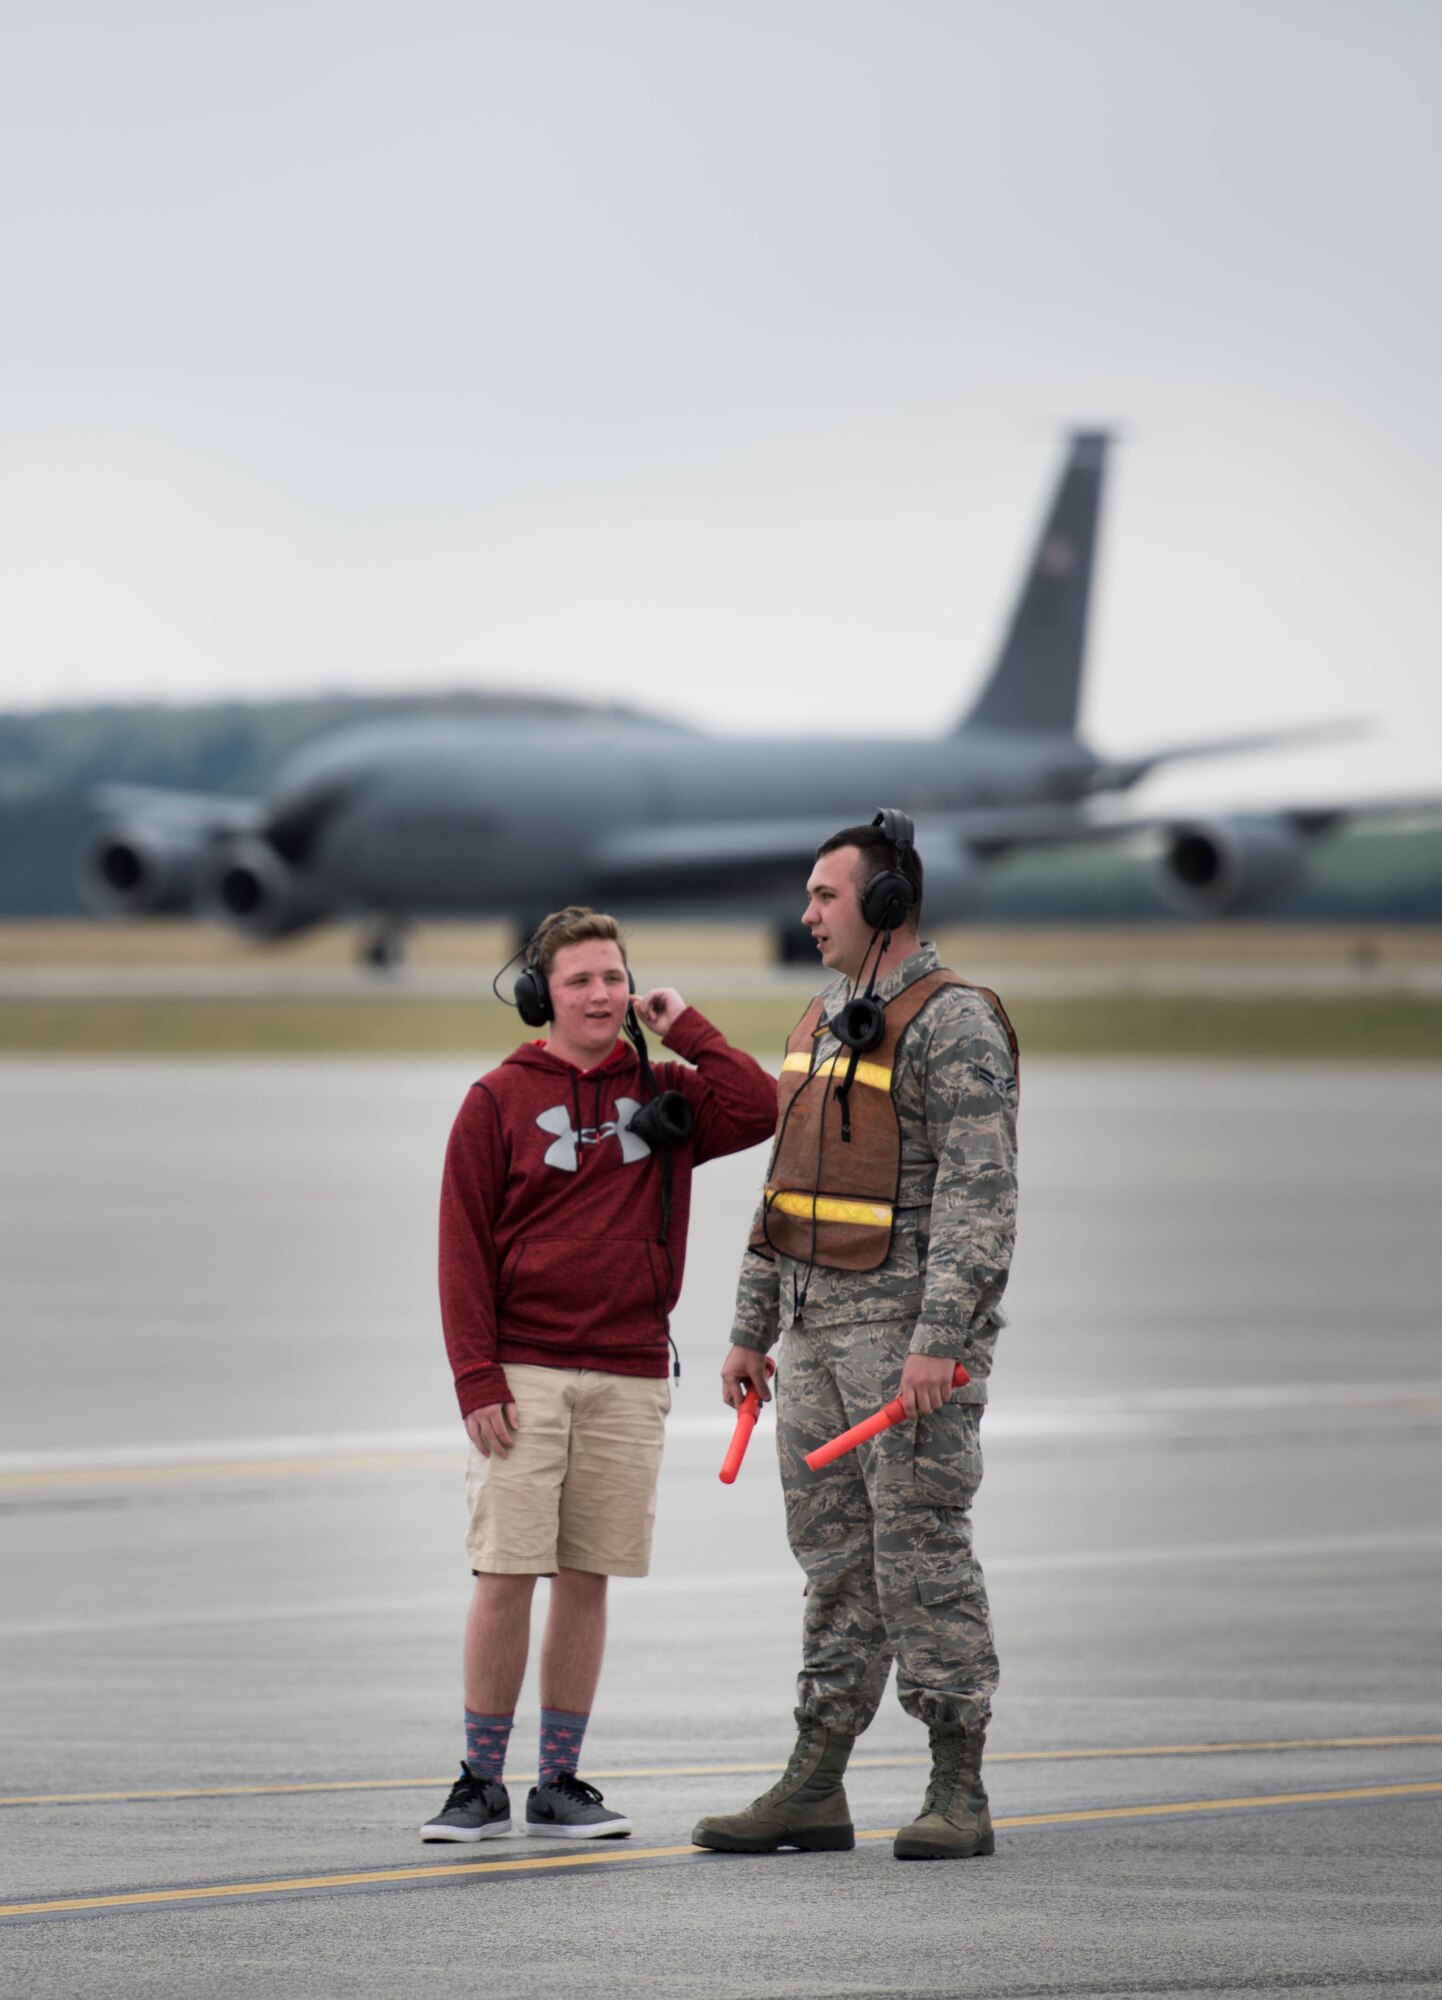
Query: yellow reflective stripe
[(872, 1073), (868, 1214)]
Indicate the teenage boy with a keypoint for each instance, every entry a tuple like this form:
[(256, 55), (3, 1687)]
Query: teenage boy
[(563, 1244)]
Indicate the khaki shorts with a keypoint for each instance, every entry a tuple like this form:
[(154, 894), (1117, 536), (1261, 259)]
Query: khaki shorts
[(578, 1488)]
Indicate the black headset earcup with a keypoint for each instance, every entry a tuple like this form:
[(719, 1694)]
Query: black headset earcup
[(860, 1025), (889, 898), (667, 1120), (886, 900), (533, 997)]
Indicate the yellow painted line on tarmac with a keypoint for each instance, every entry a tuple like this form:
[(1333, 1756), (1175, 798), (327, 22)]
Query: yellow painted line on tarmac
[(216, 1892), (1248, 1804), (719, 1770), (223, 1891), (220, 1469), (1214, 1749)]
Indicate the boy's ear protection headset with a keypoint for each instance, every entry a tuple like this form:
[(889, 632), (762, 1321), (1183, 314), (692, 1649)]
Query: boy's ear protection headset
[(886, 902), (532, 992), (666, 1118)]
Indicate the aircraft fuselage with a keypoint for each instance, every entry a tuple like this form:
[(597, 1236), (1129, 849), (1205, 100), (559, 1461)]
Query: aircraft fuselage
[(488, 817)]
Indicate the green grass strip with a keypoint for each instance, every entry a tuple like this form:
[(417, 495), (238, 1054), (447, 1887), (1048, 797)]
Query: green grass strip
[(1381, 1028)]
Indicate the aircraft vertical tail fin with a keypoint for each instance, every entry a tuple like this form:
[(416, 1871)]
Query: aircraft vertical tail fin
[(1035, 685)]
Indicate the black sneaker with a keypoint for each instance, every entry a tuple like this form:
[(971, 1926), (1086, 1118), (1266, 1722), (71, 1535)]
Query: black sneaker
[(571, 1809), (477, 1809)]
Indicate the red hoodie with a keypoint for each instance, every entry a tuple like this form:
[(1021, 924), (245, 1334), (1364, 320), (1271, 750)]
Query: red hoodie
[(551, 1207)]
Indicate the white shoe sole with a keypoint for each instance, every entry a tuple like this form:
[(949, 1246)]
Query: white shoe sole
[(498, 1829), (613, 1829)]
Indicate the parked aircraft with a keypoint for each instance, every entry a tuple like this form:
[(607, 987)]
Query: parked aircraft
[(512, 816)]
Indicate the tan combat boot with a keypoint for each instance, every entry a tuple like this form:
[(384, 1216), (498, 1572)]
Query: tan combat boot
[(955, 1820), (806, 1807)]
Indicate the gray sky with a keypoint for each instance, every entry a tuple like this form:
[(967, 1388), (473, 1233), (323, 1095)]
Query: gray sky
[(715, 356)]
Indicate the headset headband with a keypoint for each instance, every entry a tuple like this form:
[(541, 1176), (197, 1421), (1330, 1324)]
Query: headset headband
[(899, 828)]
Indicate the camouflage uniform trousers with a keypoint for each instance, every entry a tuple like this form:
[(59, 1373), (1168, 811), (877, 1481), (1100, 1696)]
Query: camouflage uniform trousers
[(884, 1536)]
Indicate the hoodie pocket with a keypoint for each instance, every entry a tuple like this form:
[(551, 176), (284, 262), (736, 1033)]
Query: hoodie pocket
[(591, 1293)]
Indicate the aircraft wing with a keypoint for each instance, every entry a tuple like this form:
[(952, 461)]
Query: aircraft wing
[(699, 855), (1208, 864), (713, 856), (1319, 819), (1005, 828), (190, 809), (1118, 774)]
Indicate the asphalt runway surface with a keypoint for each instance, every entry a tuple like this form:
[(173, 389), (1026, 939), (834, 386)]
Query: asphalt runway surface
[(230, 1516)]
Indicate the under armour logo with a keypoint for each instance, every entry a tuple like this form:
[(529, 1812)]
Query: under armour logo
[(566, 1152)]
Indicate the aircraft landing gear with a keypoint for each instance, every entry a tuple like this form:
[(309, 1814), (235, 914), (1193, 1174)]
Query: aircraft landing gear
[(383, 949), (793, 945)]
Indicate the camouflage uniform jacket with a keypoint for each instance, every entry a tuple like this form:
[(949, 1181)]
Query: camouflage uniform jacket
[(955, 1098)]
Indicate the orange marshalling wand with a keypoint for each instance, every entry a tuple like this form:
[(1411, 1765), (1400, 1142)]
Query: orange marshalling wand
[(880, 1420), (746, 1417)]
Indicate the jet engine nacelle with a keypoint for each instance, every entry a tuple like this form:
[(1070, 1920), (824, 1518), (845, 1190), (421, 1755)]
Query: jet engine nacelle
[(1226, 867), (143, 869), (250, 888)]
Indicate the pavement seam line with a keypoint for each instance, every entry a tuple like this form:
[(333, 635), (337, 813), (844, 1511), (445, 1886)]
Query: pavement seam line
[(236, 1468), (443, 1872), (896, 1763)]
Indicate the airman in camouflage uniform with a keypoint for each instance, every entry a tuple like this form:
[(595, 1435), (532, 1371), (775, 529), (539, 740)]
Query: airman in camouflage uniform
[(884, 1533)]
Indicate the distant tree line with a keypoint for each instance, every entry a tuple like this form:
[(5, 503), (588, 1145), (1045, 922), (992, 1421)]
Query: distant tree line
[(51, 758)]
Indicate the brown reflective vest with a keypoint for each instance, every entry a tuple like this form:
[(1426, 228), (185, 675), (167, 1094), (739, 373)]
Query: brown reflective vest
[(835, 1173)]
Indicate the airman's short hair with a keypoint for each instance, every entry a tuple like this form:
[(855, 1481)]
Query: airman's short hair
[(878, 854)]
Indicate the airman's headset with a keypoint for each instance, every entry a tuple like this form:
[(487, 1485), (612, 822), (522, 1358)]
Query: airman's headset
[(886, 902)]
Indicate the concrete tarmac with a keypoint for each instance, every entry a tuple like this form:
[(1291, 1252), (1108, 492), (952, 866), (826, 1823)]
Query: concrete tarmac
[(230, 1517)]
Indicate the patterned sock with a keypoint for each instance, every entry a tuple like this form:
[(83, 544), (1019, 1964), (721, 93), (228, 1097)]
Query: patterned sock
[(561, 1736), (486, 1740)]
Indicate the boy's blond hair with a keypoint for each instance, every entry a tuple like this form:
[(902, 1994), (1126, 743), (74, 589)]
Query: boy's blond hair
[(578, 923)]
